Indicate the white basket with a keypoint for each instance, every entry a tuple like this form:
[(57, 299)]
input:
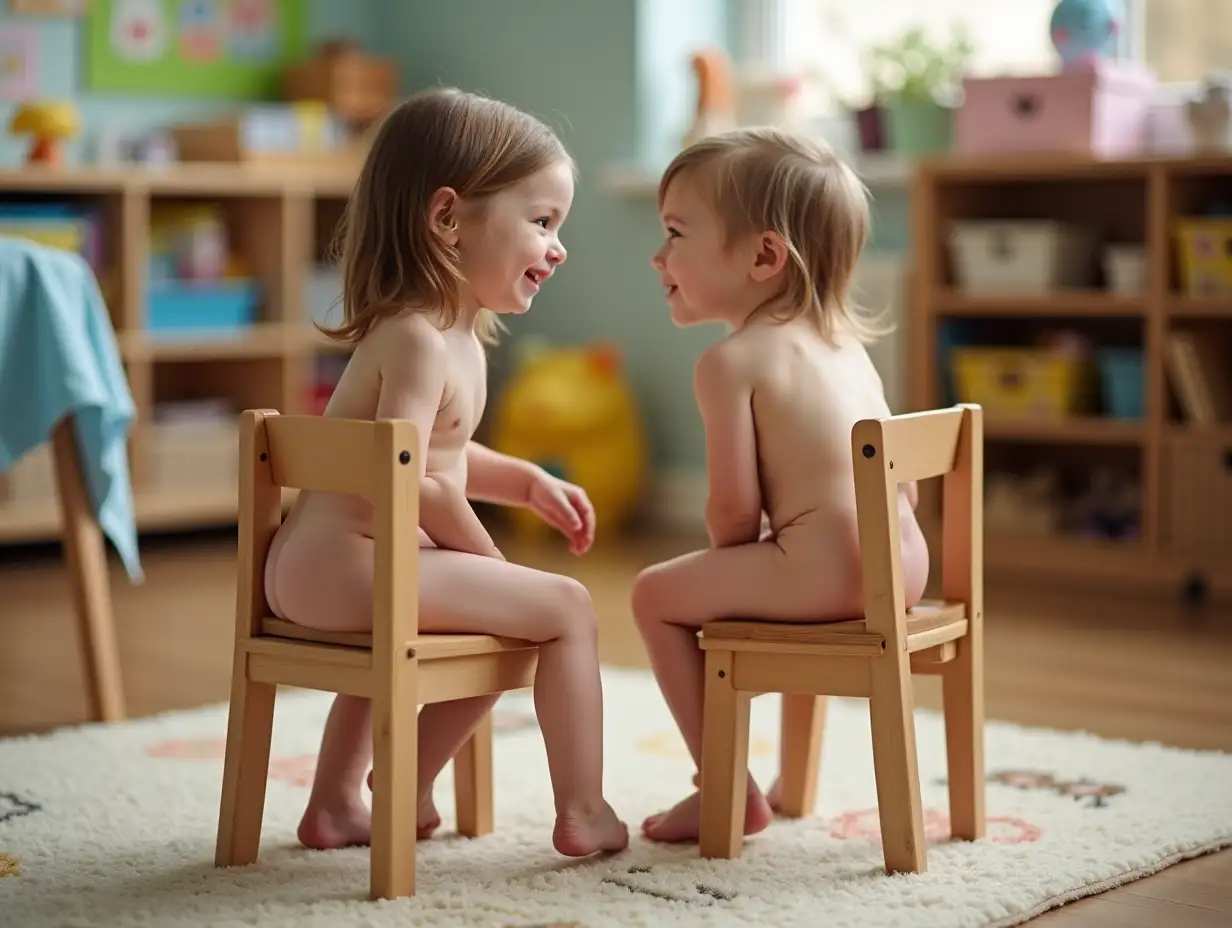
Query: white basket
[(1125, 269), (188, 453), (1021, 256)]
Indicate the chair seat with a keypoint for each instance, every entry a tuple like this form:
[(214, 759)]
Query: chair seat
[(930, 623), (428, 647)]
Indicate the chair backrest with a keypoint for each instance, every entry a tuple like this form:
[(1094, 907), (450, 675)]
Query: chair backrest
[(947, 443), (378, 461)]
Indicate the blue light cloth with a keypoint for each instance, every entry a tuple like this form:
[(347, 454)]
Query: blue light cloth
[(58, 356)]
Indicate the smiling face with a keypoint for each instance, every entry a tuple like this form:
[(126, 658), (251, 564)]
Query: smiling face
[(707, 275), (509, 243)]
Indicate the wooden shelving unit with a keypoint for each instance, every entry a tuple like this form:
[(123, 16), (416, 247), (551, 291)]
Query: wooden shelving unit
[(1129, 202), (280, 220)]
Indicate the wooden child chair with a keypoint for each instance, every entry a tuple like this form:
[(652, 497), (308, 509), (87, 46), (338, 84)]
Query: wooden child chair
[(395, 666), (873, 657)]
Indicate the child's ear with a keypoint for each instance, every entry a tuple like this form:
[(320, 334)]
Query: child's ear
[(442, 218), (770, 256)]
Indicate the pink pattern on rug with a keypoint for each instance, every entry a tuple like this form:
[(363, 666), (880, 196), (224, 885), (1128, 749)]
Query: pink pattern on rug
[(865, 825), (297, 771), (190, 749)]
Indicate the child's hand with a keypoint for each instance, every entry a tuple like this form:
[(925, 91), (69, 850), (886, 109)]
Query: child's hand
[(566, 508)]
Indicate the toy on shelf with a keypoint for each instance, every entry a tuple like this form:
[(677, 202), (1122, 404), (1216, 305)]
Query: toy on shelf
[(195, 283), (1023, 504), (1022, 256), (1205, 245), (1097, 104), (1054, 379), (274, 132), (716, 95), (1109, 508), (1085, 32), (1210, 116), (571, 410), (49, 122)]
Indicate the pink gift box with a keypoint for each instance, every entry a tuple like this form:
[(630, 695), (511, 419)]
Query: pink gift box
[(1103, 112)]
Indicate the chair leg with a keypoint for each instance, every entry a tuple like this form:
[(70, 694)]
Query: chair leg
[(804, 718), (892, 710), (472, 782), (86, 557), (725, 760), (250, 725), (962, 688), (395, 785)]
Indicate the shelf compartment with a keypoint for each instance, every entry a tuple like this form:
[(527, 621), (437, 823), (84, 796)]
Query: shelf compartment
[(216, 265), (1204, 196), (85, 223), (1197, 357), (1064, 492), (1102, 408), (1107, 211)]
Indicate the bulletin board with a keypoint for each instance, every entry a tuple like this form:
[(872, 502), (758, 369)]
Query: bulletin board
[(219, 49)]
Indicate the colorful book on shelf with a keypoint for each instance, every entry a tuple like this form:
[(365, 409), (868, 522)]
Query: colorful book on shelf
[(1198, 368), (56, 225)]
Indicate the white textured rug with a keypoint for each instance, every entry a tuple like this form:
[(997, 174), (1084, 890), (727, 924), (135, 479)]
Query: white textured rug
[(115, 826)]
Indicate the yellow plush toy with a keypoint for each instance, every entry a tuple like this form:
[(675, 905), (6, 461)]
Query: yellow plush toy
[(571, 411)]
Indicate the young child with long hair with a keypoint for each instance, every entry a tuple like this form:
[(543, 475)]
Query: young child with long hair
[(763, 233), (455, 218)]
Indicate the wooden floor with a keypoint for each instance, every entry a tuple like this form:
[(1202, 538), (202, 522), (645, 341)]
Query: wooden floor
[(1132, 669)]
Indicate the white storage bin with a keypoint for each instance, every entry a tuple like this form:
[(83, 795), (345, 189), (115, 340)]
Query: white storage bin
[(1021, 256), (188, 452), (1125, 269)]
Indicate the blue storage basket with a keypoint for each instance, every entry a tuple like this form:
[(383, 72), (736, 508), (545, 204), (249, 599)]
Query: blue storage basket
[(1122, 382), (183, 307)]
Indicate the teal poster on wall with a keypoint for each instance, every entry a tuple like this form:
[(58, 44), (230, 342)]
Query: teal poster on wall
[(221, 49)]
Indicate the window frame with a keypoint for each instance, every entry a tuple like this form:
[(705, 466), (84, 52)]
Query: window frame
[(764, 23)]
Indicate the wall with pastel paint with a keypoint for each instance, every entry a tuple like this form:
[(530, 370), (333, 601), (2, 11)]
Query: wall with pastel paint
[(614, 79), (59, 50)]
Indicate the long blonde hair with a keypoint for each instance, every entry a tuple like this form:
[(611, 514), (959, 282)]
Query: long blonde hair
[(392, 262), (766, 179)]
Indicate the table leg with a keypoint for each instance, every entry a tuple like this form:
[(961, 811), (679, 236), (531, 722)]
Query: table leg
[(86, 554)]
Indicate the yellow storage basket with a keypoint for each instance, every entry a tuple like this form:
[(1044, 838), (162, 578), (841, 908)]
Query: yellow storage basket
[(1205, 253), (1024, 382)]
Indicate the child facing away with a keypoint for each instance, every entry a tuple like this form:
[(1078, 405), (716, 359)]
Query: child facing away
[(455, 217), (763, 233)]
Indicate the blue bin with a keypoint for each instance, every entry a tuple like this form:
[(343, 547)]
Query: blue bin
[(1122, 382), (181, 307)]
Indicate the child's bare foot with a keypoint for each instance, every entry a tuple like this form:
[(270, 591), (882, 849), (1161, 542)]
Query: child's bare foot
[(682, 822), (582, 833), (326, 828), (429, 818)]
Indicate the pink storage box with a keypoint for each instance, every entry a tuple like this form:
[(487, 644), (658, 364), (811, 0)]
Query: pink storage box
[(1103, 112)]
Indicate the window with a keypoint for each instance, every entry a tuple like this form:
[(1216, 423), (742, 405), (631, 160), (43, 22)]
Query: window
[(1182, 40)]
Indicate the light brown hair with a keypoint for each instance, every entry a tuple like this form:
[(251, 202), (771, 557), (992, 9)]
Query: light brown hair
[(766, 179), (392, 261)]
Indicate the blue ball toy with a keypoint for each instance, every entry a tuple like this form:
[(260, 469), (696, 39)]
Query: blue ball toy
[(1085, 32)]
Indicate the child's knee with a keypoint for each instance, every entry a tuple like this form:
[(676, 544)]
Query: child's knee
[(570, 609), (646, 599)]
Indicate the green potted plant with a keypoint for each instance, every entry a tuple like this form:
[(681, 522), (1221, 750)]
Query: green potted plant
[(911, 80)]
